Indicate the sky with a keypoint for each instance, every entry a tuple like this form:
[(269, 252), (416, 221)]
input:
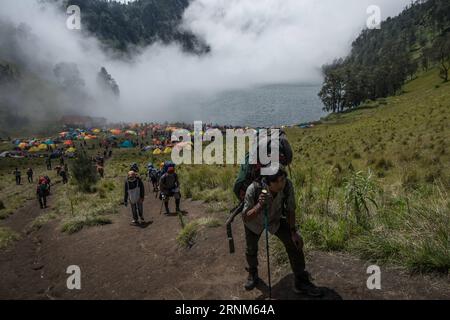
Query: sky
[(253, 42)]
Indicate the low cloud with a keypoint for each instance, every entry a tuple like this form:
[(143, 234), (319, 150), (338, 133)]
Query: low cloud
[(253, 42)]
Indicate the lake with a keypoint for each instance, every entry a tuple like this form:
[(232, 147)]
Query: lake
[(272, 105)]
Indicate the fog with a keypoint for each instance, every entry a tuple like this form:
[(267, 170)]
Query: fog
[(253, 42)]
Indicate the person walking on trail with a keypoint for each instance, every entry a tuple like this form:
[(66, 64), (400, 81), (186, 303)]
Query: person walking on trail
[(279, 201), (18, 176), (135, 194), (48, 162), (42, 192), (63, 174), (169, 186), (30, 175), (153, 176)]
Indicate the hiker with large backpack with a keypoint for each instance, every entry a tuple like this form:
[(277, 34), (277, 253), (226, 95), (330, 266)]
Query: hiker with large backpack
[(268, 204), (169, 186), (153, 176), (135, 194)]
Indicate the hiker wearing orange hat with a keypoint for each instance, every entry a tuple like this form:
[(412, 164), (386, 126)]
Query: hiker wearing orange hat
[(135, 194), (169, 186)]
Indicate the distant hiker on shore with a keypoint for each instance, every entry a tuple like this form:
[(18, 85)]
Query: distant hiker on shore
[(42, 191), (18, 176), (135, 194), (30, 175), (169, 186), (278, 198)]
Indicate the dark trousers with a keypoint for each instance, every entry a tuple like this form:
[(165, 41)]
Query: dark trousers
[(296, 256), (137, 210), (42, 200), (30, 178), (18, 179)]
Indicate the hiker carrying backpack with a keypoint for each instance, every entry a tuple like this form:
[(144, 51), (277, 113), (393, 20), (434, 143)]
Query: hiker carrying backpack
[(249, 173)]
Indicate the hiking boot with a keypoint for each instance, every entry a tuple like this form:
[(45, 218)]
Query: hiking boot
[(252, 280), (134, 222), (305, 286)]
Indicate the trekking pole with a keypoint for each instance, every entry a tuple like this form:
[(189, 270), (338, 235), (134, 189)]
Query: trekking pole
[(162, 204), (266, 225)]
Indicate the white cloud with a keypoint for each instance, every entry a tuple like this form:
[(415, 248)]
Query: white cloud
[(253, 42)]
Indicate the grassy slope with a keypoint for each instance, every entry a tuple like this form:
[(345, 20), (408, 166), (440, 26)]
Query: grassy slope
[(401, 146)]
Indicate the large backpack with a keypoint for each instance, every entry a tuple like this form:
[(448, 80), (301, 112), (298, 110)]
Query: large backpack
[(167, 165), (249, 173)]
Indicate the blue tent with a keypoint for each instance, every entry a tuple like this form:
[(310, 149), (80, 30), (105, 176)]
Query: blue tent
[(127, 144)]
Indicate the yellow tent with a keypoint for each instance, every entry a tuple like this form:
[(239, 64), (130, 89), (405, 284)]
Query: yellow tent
[(157, 152), (71, 150), (96, 131), (34, 149), (168, 150), (23, 145), (42, 147)]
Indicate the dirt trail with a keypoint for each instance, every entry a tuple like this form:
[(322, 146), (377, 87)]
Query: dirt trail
[(119, 261)]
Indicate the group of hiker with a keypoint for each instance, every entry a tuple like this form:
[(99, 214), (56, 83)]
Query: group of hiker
[(164, 181)]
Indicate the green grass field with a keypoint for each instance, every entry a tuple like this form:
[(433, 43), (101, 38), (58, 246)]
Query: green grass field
[(373, 182)]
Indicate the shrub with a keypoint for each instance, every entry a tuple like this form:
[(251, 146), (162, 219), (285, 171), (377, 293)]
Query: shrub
[(84, 173)]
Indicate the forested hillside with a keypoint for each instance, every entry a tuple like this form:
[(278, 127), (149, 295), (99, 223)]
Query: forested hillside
[(382, 60), (138, 23)]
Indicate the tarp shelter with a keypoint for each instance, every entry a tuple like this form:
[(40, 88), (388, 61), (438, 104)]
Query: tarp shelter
[(127, 144), (157, 152)]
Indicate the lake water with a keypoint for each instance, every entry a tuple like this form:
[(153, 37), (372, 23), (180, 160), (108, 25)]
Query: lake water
[(266, 106)]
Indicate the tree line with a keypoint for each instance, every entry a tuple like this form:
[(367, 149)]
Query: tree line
[(382, 60)]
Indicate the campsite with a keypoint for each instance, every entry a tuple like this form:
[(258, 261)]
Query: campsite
[(217, 158)]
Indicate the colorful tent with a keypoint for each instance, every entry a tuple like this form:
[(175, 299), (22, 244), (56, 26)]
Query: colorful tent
[(116, 132), (71, 150), (34, 149), (157, 152), (96, 131), (23, 145), (42, 147), (168, 151), (127, 144), (49, 141), (131, 133), (68, 143)]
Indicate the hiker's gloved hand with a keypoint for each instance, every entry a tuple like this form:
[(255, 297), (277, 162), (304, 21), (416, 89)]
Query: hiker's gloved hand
[(297, 239)]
